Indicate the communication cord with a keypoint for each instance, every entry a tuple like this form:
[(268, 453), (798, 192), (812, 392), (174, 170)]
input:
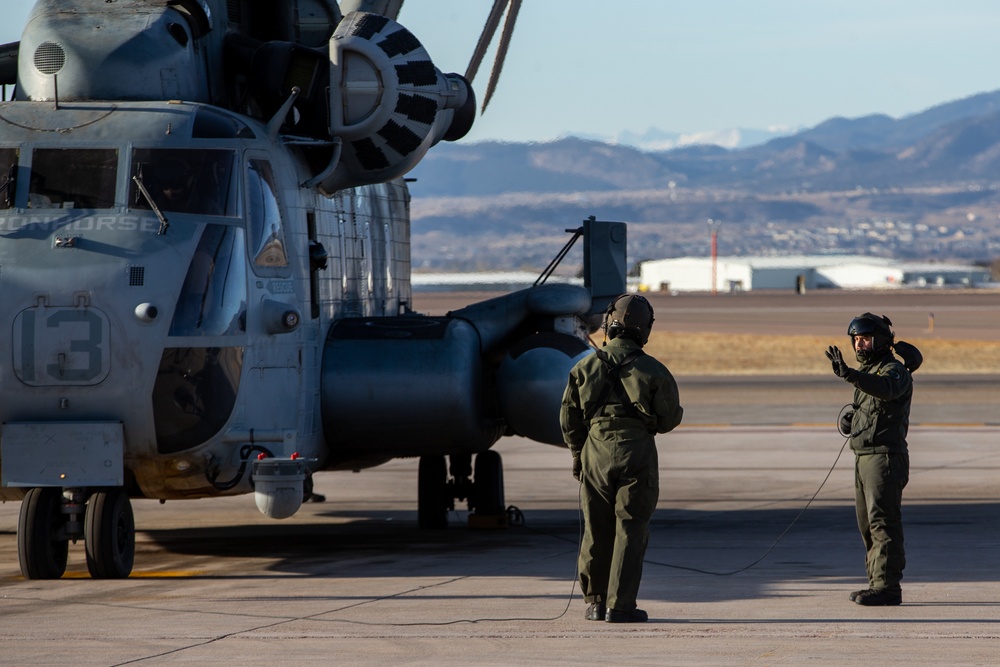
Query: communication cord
[(513, 511), (783, 533), (517, 518)]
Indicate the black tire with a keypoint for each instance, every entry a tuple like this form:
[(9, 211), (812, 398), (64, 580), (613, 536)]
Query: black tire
[(109, 535), (40, 549), (488, 483), (432, 493)]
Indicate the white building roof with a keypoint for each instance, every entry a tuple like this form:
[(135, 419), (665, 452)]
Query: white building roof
[(844, 271)]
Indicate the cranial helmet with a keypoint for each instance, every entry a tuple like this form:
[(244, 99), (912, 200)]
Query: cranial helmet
[(879, 327), (629, 315)]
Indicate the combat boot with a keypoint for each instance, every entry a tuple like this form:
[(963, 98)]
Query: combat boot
[(879, 597), (634, 616), (596, 611), (855, 594)]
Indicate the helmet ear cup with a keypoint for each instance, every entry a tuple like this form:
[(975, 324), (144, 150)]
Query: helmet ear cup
[(609, 313)]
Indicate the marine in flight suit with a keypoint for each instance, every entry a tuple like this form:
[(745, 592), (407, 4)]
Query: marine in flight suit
[(614, 403), (877, 430)]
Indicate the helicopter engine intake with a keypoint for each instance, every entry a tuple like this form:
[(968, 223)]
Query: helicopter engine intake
[(389, 104)]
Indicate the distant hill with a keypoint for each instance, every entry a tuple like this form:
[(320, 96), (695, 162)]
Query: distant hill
[(939, 168)]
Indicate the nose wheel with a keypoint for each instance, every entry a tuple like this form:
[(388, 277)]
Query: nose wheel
[(42, 545), (109, 539), (49, 520)]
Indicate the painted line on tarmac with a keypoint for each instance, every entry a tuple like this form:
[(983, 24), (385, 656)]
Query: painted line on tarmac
[(957, 424), (164, 574), (753, 424), (826, 425)]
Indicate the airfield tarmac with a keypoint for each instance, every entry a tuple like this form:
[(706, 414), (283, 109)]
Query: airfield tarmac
[(352, 581)]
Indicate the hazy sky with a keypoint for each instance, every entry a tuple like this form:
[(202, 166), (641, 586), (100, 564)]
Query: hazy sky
[(602, 67)]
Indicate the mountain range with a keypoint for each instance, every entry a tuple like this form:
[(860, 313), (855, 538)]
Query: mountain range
[(936, 171), (655, 139)]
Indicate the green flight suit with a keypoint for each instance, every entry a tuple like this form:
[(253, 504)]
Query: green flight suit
[(620, 471), (883, 389)]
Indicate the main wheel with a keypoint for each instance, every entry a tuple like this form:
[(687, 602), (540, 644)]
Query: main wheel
[(488, 483), (432, 492), (109, 535), (41, 550)]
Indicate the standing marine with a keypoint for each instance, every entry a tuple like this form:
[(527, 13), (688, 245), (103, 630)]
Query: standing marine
[(877, 429), (615, 401)]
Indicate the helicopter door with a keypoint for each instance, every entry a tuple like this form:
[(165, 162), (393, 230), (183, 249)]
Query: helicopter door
[(196, 384), (273, 381)]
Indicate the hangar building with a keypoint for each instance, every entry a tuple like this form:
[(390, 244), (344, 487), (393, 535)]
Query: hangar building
[(736, 274)]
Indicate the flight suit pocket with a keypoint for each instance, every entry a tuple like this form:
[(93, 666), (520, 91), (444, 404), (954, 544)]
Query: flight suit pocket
[(653, 468)]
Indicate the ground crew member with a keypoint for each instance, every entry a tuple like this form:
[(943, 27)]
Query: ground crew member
[(615, 401), (877, 430)]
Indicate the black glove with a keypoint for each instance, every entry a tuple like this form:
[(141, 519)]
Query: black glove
[(846, 420), (840, 368), (577, 466)]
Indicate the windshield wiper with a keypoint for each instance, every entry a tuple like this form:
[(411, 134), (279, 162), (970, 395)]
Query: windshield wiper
[(152, 204), (8, 197)]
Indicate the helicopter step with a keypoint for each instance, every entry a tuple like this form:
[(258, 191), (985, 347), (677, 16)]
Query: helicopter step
[(72, 471)]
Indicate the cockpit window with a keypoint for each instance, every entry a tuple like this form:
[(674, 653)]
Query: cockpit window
[(8, 176), (184, 180), (264, 217), (213, 300), (73, 178)]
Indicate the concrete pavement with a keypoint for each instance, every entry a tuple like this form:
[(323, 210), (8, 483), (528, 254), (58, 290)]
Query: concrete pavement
[(352, 581)]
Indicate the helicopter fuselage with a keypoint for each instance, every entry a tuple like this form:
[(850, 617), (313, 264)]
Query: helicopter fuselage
[(205, 272), (178, 331)]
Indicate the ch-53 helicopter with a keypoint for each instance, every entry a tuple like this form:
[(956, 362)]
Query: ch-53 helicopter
[(205, 271)]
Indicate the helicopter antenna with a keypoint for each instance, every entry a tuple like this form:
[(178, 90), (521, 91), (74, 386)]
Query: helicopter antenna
[(577, 233)]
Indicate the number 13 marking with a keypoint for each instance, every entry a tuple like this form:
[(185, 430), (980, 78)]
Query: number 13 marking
[(70, 342)]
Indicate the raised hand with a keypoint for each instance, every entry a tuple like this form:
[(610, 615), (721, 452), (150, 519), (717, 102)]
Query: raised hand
[(840, 367)]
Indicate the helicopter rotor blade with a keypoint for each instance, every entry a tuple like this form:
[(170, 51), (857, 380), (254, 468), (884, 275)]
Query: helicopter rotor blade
[(508, 30), (485, 38)]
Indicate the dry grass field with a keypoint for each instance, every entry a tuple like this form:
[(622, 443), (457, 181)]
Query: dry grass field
[(782, 333), (712, 353)]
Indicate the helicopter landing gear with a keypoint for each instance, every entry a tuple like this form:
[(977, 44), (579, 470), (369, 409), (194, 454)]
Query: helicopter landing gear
[(436, 494), (42, 543), (433, 498), (487, 489), (109, 538), (51, 517)]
